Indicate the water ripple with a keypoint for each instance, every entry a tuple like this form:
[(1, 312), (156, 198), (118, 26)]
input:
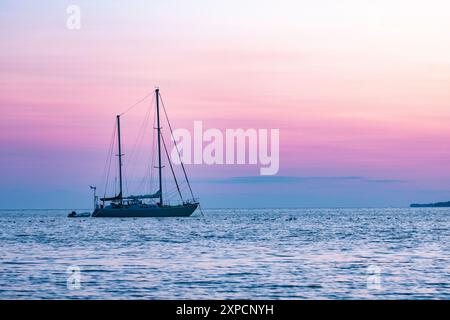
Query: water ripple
[(232, 254)]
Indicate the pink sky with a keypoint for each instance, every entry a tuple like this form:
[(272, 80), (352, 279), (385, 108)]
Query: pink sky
[(357, 88)]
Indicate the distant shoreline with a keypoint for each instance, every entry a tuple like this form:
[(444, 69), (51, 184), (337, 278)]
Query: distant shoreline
[(414, 205), (431, 205)]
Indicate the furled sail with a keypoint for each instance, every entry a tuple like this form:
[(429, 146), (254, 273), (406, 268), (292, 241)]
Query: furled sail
[(146, 196), (112, 198)]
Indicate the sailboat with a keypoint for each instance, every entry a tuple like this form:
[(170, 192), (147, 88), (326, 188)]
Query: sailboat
[(146, 205)]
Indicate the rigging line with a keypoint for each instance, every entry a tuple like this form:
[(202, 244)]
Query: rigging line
[(176, 147), (124, 178), (152, 184), (139, 137), (173, 191), (153, 150), (103, 176), (201, 211), (171, 167), (134, 105), (141, 185), (136, 149), (109, 159), (149, 170), (148, 173), (171, 196)]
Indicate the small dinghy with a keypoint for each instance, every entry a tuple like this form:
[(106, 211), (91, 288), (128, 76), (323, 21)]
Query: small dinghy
[(73, 214)]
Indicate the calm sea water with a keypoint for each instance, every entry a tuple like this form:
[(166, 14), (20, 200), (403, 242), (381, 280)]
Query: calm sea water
[(229, 254)]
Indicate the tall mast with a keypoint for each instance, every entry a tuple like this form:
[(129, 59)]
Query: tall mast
[(120, 159), (159, 147)]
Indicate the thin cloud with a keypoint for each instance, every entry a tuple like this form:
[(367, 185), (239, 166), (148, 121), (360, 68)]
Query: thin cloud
[(297, 179)]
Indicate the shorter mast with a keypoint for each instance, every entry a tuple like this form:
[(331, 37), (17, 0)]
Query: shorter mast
[(120, 160)]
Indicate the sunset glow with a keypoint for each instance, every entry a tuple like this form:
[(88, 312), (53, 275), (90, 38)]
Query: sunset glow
[(358, 89)]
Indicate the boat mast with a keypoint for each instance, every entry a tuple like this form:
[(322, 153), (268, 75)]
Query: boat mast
[(159, 147), (120, 159)]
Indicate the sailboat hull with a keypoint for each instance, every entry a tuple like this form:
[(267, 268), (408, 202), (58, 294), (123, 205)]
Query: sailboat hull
[(156, 211)]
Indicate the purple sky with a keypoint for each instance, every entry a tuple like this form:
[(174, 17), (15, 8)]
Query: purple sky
[(358, 89)]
